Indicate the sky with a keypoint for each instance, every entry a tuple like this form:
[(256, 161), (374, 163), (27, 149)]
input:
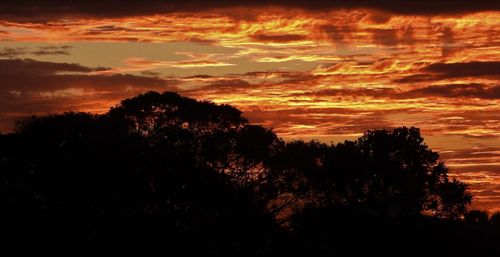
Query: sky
[(325, 70)]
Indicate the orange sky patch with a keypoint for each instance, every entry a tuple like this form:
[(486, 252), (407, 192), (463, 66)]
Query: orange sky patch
[(329, 75)]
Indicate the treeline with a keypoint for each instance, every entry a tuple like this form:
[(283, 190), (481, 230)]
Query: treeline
[(162, 174), (482, 217)]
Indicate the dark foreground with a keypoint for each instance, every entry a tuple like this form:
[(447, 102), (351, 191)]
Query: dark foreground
[(164, 175)]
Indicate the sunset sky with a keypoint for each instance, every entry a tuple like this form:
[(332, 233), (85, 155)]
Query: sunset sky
[(327, 70)]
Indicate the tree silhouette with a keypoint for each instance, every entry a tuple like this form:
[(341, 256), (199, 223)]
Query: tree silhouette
[(387, 173), (94, 178), (495, 218), (166, 174), (476, 217)]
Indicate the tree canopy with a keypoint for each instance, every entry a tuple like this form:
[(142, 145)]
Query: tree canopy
[(164, 173)]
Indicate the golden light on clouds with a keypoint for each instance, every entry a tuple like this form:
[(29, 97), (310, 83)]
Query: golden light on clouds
[(329, 74)]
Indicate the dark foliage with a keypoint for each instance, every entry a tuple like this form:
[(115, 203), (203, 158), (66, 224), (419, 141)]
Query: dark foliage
[(162, 174), (476, 217)]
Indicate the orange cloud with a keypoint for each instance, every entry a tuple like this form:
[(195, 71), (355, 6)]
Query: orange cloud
[(327, 70)]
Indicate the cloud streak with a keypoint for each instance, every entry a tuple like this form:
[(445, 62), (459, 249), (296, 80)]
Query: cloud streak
[(23, 10), (34, 87)]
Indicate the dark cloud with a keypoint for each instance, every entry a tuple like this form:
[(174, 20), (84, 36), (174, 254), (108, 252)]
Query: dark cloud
[(20, 67), (17, 106), (472, 90), (84, 81), (464, 69), (111, 29), (33, 10), (378, 17), (34, 87), (440, 71), (27, 75), (11, 52), (150, 73), (52, 50), (202, 76), (63, 47), (45, 52)]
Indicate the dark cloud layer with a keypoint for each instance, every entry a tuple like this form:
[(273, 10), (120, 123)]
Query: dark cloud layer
[(30, 66), (10, 52), (52, 50), (32, 75), (16, 52), (472, 90), (29, 86), (465, 69), (46, 52), (439, 71), (32, 10)]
